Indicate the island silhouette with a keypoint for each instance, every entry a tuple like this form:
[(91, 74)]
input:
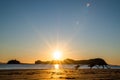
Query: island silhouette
[(95, 62)]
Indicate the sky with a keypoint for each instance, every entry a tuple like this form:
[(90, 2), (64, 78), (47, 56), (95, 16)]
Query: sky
[(81, 29)]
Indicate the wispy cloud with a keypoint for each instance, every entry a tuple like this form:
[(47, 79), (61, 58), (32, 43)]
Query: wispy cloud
[(88, 5)]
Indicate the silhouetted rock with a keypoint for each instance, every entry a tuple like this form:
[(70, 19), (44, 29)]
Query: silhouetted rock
[(38, 62), (13, 62), (91, 63), (69, 61), (97, 62)]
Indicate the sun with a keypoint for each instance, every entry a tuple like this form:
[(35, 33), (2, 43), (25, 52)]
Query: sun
[(57, 55)]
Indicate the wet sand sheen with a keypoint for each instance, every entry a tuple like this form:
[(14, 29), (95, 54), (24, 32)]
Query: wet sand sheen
[(61, 74)]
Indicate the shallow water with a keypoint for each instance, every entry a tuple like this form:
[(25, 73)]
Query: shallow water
[(44, 66)]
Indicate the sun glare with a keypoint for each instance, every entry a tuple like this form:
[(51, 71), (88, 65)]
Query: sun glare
[(57, 55)]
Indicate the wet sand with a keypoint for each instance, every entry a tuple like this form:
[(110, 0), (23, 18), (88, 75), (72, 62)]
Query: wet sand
[(60, 74)]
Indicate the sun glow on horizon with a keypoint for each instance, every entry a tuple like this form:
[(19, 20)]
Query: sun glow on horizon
[(57, 55)]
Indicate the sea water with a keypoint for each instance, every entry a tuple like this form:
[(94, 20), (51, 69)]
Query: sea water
[(45, 66)]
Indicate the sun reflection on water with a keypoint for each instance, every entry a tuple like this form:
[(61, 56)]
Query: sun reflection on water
[(56, 66)]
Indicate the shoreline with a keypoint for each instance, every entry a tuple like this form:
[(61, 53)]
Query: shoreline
[(60, 74)]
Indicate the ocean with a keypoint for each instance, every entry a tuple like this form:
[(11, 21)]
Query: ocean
[(45, 66)]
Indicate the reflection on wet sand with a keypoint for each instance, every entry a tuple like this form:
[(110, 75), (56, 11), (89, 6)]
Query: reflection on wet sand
[(60, 74)]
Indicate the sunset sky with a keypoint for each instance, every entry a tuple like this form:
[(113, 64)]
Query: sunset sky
[(80, 29)]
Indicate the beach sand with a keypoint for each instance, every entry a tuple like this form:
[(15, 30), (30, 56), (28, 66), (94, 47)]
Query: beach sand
[(60, 74)]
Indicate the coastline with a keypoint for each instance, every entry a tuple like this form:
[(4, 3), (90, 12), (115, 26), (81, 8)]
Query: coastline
[(60, 74)]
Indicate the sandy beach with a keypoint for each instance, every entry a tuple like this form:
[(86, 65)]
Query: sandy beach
[(60, 74)]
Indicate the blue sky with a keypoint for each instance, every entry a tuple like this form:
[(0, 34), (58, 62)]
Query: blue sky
[(81, 29)]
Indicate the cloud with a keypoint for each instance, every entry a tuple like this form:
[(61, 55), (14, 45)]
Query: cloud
[(88, 4)]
